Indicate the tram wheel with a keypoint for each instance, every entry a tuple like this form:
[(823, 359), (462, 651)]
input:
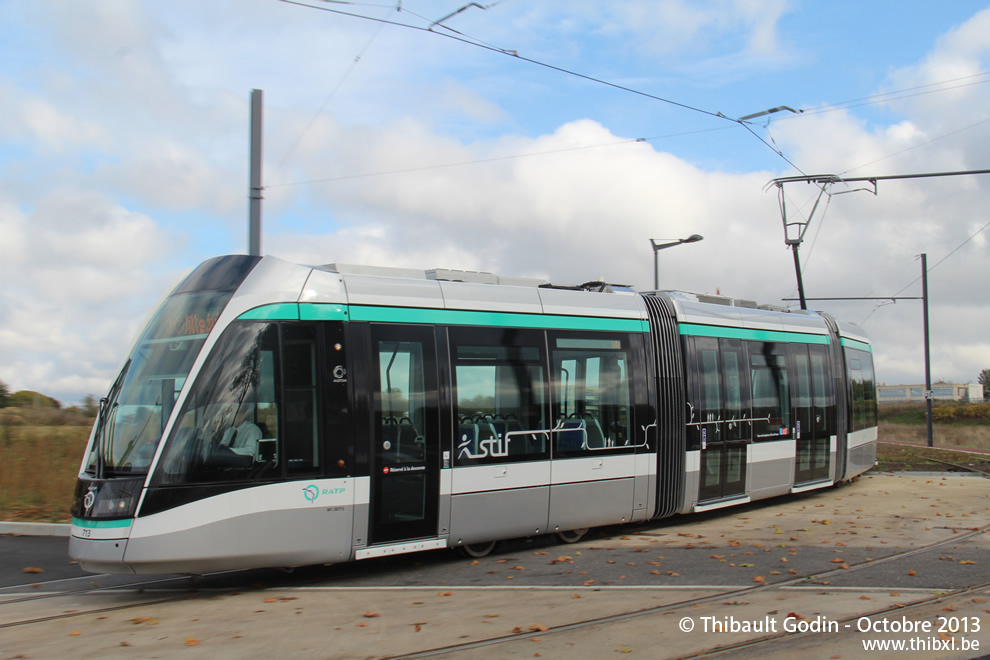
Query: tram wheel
[(476, 550), (572, 536)]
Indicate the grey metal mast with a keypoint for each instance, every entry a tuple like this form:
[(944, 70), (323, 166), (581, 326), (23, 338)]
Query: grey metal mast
[(254, 214)]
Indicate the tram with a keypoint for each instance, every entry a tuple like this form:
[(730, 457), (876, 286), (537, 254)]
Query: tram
[(274, 415)]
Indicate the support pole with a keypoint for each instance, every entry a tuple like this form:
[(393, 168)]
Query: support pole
[(656, 270), (800, 280), (928, 360), (254, 214)]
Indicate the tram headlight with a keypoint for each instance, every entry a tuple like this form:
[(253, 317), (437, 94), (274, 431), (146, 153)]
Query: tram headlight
[(106, 498)]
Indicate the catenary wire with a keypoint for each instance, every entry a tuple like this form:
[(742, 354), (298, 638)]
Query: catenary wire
[(491, 160), (931, 268), (332, 93)]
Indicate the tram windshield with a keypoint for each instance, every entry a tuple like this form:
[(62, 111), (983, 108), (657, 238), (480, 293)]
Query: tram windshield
[(134, 414)]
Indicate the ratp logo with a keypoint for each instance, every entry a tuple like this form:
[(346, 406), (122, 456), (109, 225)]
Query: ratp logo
[(311, 492)]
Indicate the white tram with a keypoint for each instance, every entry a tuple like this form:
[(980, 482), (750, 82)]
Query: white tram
[(273, 414)]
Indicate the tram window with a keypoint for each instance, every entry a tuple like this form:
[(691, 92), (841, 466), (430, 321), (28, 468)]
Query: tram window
[(403, 400), (591, 393), (228, 424), (802, 397), (300, 430), (822, 384), (823, 395), (771, 398), (863, 411), (736, 395), (500, 401)]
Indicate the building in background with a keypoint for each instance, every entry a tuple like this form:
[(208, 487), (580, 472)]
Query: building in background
[(966, 392)]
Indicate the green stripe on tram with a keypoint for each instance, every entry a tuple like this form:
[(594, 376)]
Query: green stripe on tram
[(323, 312), (419, 315), (274, 312), (496, 319), (858, 345), (101, 524), (697, 330)]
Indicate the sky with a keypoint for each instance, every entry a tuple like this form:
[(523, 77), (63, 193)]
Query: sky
[(550, 139)]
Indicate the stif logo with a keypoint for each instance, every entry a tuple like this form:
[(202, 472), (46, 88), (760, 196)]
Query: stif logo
[(311, 492)]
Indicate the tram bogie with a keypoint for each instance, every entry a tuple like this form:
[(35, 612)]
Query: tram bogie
[(274, 415)]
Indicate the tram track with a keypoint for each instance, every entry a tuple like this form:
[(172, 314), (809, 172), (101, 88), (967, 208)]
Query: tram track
[(728, 594), (900, 609), (135, 587)]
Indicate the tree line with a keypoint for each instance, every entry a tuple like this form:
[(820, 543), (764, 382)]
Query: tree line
[(89, 407)]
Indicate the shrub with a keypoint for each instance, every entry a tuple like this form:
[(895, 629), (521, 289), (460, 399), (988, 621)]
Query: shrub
[(944, 414)]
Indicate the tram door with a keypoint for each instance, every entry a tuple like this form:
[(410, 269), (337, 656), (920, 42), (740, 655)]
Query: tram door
[(405, 467), (810, 404), (720, 393)]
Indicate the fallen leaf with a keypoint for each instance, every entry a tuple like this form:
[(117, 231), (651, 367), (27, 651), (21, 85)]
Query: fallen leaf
[(370, 615), (759, 578), (192, 641), (911, 572), (34, 569)]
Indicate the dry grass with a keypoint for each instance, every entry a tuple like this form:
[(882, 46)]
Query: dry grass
[(38, 469), (944, 435)]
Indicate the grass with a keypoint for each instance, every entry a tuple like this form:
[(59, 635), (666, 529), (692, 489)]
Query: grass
[(911, 451), (38, 469)]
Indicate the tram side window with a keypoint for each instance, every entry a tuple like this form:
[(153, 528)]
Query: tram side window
[(823, 396), (736, 394), (228, 424), (403, 400), (862, 390), (771, 398), (500, 387), (300, 421), (591, 392)]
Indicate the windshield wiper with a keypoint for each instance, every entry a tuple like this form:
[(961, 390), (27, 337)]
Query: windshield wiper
[(105, 405)]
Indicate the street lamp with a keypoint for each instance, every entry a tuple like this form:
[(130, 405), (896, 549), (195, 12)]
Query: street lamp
[(693, 238)]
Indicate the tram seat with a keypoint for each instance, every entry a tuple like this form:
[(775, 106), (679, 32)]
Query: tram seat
[(406, 435), (486, 430), (596, 439), (390, 430), (573, 438)]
